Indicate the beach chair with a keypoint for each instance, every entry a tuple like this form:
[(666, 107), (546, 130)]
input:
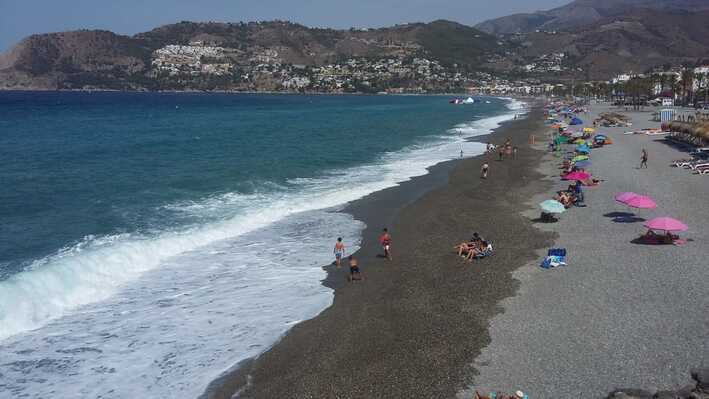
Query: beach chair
[(699, 165), (702, 171)]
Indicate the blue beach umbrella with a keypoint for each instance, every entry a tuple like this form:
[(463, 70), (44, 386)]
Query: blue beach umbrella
[(583, 149), (583, 164), (551, 206), (600, 137)]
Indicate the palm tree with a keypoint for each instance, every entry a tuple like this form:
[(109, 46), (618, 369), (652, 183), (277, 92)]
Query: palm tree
[(687, 83), (672, 82), (699, 78)]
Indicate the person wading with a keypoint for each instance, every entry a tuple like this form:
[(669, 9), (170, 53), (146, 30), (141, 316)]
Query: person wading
[(339, 251)]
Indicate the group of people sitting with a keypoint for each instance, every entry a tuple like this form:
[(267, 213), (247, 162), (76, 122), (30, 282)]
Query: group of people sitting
[(573, 195), (659, 239), (477, 247), (500, 395)]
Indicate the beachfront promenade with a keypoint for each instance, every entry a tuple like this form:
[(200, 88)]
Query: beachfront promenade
[(620, 314)]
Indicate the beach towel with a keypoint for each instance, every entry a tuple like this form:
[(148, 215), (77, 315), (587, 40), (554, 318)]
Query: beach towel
[(555, 257)]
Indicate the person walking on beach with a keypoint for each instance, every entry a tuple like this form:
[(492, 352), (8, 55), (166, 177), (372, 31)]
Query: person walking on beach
[(643, 159), (483, 171), (385, 241), (501, 152), (339, 251), (514, 152)]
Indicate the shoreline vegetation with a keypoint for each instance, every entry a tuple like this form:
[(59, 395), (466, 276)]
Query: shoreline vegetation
[(413, 327)]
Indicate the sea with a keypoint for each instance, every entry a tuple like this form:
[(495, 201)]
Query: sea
[(149, 242)]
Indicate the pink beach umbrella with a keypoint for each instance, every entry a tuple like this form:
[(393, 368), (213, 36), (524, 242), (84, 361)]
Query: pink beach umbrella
[(666, 224), (576, 176), (624, 197), (641, 202)]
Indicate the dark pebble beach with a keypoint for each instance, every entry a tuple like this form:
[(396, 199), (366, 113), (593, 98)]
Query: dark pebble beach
[(416, 324)]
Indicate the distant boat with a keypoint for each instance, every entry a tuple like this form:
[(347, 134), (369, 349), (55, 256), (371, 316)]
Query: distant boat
[(456, 101), (469, 100), (487, 102)]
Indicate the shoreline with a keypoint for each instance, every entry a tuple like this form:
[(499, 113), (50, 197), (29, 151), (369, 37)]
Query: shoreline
[(255, 92), (360, 306)]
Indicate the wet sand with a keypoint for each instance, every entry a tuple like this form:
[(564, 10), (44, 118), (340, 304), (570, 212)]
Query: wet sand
[(415, 325)]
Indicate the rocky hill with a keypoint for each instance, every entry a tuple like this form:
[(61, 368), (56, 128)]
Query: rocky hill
[(586, 39), (581, 13), (634, 41), (239, 56)]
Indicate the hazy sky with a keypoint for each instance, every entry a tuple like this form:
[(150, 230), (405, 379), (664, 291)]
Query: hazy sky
[(20, 18)]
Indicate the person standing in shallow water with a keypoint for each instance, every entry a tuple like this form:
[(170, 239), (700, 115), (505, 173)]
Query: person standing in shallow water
[(339, 251), (643, 159)]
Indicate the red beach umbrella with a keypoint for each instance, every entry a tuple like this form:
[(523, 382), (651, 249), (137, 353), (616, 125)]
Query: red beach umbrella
[(576, 176), (641, 202), (625, 196), (666, 224)]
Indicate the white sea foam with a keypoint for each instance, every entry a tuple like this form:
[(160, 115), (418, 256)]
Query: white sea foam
[(162, 315)]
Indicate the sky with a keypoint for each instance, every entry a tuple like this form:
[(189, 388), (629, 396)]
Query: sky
[(20, 18)]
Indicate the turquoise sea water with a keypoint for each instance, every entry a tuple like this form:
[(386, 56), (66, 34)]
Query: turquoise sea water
[(137, 229)]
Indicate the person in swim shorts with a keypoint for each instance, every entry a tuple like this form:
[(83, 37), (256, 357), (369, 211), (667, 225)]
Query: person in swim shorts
[(339, 251), (385, 241), (355, 273)]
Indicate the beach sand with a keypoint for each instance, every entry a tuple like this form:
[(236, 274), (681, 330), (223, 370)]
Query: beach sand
[(620, 314), (413, 328)]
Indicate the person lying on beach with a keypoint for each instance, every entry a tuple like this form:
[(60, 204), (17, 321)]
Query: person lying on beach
[(479, 249), (653, 238), (464, 247), (565, 198), (590, 182), (355, 274)]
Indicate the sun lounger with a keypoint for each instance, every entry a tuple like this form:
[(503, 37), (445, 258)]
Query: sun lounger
[(700, 165)]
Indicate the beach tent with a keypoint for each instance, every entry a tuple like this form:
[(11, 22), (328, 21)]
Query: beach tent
[(576, 121)]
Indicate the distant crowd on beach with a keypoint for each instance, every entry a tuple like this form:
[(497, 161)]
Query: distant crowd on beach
[(505, 150)]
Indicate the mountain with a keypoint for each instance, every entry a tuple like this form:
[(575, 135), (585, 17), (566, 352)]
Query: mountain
[(581, 13), (638, 40), (228, 55)]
